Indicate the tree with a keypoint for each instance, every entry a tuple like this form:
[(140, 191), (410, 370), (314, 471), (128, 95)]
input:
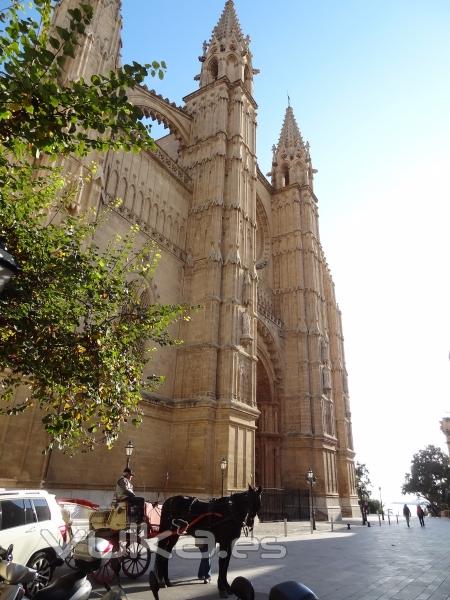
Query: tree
[(362, 488), (74, 325), (363, 482), (429, 478)]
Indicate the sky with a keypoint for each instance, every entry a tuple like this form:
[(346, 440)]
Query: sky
[(369, 83)]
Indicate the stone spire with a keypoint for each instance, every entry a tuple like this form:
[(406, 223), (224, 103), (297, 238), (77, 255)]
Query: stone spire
[(228, 24), (291, 161), (291, 140), (227, 54)]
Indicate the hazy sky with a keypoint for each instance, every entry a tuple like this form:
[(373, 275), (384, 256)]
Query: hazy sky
[(369, 83)]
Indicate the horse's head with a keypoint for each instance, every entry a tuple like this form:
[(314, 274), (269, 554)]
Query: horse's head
[(254, 505)]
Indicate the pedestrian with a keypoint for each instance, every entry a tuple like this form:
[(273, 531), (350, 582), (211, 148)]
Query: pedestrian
[(204, 568), (421, 515), (406, 513)]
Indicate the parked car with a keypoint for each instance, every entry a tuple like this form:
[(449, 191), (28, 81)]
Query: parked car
[(31, 520)]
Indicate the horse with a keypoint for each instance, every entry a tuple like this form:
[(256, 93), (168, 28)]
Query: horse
[(223, 517)]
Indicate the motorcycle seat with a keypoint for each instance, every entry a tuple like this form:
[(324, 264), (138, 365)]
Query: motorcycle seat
[(62, 588)]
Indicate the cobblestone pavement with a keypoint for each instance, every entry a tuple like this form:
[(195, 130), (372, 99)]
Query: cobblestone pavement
[(360, 563)]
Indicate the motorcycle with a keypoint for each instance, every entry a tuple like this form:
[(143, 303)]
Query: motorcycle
[(89, 555)]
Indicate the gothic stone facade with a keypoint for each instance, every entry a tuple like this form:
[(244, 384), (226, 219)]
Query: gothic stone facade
[(261, 378)]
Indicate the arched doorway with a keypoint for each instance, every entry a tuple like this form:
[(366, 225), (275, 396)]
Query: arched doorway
[(268, 438)]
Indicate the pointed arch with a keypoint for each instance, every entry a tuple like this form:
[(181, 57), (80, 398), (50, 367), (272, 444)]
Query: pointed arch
[(113, 180), (268, 391), (233, 67), (168, 227), (130, 196), (213, 69), (138, 204), (154, 216), (122, 190), (285, 175)]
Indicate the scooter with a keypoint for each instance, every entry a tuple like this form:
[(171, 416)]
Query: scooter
[(89, 555), (13, 576)]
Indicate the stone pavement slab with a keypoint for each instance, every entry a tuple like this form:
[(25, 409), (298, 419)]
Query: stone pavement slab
[(387, 562)]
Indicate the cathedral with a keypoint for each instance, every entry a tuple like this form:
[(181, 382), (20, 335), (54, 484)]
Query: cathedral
[(259, 385)]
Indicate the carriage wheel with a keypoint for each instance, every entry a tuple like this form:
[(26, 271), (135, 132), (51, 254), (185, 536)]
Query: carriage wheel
[(135, 560), (108, 573)]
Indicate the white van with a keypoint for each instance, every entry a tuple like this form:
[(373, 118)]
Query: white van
[(31, 520)]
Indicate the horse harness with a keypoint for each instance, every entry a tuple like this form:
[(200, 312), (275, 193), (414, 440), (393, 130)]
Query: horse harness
[(183, 525)]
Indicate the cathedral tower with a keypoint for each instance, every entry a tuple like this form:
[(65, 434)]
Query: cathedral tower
[(216, 368), (314, 376)]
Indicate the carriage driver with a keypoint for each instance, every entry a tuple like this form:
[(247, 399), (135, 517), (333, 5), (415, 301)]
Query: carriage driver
[(124, 491)]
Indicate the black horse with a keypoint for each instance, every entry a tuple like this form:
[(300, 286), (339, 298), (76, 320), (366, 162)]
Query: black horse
[(223, 517)]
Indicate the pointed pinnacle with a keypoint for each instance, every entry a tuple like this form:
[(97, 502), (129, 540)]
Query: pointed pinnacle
[(228, 23), (290, 136)]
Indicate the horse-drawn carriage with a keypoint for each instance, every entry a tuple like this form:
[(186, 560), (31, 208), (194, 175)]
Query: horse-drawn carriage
[(128, 527), (125, 526)]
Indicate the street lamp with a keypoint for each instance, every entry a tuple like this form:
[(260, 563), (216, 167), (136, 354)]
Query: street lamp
[(129, 451), (8, 267), (381, 503), (311, 479), (223, 468)]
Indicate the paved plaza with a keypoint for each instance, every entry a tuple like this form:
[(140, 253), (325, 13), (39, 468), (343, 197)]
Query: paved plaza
[(360, 563)]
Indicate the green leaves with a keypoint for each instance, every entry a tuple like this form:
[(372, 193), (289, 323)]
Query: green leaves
[(429, 477), (73, 326), (40, 108), (74, 323)]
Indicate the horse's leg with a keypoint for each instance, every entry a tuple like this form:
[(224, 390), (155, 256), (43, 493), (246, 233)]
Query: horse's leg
[(224, 561), (162, 560), (159, 563)]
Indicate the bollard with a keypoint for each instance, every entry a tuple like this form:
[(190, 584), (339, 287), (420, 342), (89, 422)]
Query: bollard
[(396, 516), (389, 519), (285, 527), (379, 519), (332, 524), (368, 523), (348, 525)]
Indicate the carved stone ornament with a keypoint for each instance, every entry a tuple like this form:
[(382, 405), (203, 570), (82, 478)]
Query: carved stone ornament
[(246, 322), (246, 289), (326, 379)]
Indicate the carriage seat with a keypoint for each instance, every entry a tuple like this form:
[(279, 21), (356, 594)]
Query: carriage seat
[(131, 508)]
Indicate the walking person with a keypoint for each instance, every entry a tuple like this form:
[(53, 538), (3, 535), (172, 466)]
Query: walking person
[(204, 568), (406, 513), (421, 515)]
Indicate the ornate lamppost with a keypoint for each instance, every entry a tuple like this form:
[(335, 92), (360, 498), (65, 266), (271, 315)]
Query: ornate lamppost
[(223, 468), (8, 267), (311, 479), (129, 451)]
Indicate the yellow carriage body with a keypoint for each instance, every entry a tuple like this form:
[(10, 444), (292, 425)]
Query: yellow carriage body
[(115, 518)]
